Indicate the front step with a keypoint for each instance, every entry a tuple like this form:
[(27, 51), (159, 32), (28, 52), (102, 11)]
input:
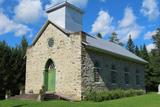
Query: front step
[(25, 97), (65, 97), (47, 96), (51, 96), (59, 96)]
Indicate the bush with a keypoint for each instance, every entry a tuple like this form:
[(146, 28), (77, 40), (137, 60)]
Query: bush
[(102, 95)]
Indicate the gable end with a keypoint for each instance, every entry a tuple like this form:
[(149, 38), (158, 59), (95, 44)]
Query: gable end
[(43, 29)]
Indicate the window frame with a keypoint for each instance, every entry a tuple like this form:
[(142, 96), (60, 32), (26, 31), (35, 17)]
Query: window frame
[(126, 76), (96, 71), (113, 71), (138, 75)]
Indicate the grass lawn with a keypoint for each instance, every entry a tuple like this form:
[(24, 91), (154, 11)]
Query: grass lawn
[(149, 100)]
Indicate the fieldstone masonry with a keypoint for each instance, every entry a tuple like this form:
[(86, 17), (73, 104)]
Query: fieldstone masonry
[(66, 55), (74, 63), (89, 56)]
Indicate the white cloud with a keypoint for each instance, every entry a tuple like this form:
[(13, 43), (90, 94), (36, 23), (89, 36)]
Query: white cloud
[(103, 23), (28, 11), (128, 19), (128, 26), (79, 3), (125, 27), (150, 47), (150, 9), (149, 35), (7, 26)]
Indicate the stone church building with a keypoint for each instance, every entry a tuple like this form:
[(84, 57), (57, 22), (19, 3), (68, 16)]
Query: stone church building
[(67, 61)]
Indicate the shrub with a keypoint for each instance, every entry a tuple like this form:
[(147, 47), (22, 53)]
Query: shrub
[(42, 91), (90, 95), (102, 95)]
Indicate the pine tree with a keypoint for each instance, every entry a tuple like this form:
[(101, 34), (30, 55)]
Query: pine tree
[(99, 35), (12, 67), (153, 70), (156, 40), (5, 72), (24, 43), (145, 53), (114, 39), (137, 51), (130, 45)]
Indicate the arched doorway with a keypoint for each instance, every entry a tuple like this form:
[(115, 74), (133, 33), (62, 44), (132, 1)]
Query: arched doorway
[(50, 76)]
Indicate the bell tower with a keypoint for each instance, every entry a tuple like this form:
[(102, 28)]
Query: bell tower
[(66, 15)]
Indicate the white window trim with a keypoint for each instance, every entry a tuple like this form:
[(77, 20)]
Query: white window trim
[(98, 82), (96, 68)]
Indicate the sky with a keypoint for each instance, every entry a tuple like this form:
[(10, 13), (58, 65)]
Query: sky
[(138, 18)]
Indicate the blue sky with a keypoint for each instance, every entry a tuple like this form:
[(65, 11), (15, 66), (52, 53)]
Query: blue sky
[(138, 18)]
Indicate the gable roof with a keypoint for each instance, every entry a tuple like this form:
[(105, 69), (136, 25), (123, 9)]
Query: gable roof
[(112, 48), (96, 43)]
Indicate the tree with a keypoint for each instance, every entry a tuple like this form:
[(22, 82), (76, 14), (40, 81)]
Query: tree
[(22, 63), (153, 70), (153, 77), (5, 53), (114, 39), (130, 45), (137, 51), (99, 35), (145, 53), (12, 67), (24, 43), (156, 40)]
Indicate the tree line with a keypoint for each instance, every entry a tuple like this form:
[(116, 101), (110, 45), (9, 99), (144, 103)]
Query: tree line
[(152, 69), (12, 67)]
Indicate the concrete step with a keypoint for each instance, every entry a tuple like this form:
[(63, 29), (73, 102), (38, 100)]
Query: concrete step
[(66, 97), (47, 96), (25, 97), (51, 96)]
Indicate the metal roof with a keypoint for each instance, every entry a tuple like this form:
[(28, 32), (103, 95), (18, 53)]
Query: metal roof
[(97, 43), (112, 48)]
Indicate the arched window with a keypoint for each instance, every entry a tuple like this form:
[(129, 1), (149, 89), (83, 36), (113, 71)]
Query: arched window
[(113, 74), (96, 71), (137, 77), (126, 75)]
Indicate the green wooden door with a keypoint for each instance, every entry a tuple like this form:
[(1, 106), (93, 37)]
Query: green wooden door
[(46, 80), (51, 80)]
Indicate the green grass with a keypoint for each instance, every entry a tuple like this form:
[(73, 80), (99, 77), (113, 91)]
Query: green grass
[(149, 100)]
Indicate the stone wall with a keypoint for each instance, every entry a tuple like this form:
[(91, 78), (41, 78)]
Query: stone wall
[(66, 55), (74, 65), (105, 61)]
